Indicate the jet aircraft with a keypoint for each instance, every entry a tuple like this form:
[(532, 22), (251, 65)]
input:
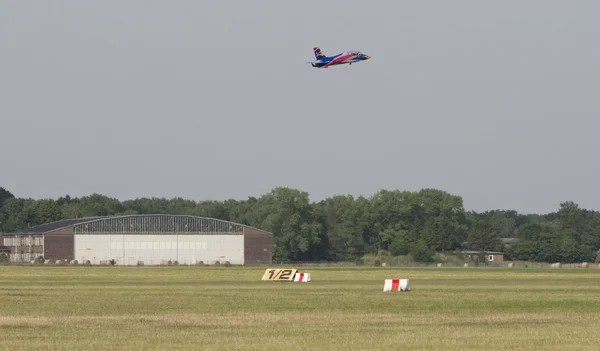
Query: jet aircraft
[(348, 57)]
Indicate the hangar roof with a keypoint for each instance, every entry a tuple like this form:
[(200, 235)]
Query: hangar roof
[(48, 227), (143, 224)]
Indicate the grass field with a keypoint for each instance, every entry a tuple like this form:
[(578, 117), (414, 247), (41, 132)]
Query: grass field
[(230, 308)]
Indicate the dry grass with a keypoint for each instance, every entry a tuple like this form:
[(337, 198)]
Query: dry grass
[(206, 308)]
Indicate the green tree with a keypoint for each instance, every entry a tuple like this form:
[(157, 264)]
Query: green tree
[(41, 211), (287, 213), (443, 233), (400, 246), (526, 250), (12, 214), (341, 221), (100, 205), (387, 209), (5, 195), (482, 236), (421, 252)]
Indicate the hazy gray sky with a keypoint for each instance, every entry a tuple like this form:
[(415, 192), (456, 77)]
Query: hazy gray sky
[(494, 101)]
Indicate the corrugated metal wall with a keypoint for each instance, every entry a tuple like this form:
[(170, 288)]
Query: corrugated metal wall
[(156, 249), (58, 245), (258, 247)]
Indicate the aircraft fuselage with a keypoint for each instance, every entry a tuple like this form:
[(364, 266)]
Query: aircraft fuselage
[(343, 58)]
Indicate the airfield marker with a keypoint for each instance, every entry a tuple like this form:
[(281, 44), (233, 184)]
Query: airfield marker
[(396, 285), (302, 277)]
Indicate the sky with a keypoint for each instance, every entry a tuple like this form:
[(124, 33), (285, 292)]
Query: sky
[(210, 100)]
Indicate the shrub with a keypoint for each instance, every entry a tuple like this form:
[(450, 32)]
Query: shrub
[(421, 252), (439, 258), (399, 247)]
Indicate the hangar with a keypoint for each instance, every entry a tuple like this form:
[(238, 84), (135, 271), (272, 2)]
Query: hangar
[(149, 239)]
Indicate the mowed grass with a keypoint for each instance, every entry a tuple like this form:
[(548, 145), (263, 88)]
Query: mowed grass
[(230, 308)]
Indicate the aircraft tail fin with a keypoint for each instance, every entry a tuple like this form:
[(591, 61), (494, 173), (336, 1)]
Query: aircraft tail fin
[(318, 53)]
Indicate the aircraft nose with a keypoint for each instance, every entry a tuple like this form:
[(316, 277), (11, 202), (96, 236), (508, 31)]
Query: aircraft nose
[(367, 57)]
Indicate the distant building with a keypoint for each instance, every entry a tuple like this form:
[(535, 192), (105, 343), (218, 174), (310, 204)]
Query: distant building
[(151, 239), (490, 256)]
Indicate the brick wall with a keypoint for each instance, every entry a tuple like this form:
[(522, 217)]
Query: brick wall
[(498, 258), (59, 245), (258, 247)]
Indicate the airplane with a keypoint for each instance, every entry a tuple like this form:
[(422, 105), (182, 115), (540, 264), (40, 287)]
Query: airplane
[(348, 57)]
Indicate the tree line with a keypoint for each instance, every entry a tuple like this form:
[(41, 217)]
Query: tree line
[(346, 228)]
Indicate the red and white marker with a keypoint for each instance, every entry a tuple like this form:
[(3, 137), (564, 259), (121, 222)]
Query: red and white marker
[(302, 278), (396, 285)]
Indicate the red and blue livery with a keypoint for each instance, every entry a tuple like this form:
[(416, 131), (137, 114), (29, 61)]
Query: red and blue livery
[(348, 57)]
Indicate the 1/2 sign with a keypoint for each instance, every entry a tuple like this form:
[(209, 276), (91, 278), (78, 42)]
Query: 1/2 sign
[(278, 274)]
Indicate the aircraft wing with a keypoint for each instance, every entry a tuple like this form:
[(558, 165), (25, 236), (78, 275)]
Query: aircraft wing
[(337, 61)]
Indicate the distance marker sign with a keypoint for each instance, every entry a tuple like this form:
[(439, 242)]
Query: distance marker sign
[(278, 274)]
